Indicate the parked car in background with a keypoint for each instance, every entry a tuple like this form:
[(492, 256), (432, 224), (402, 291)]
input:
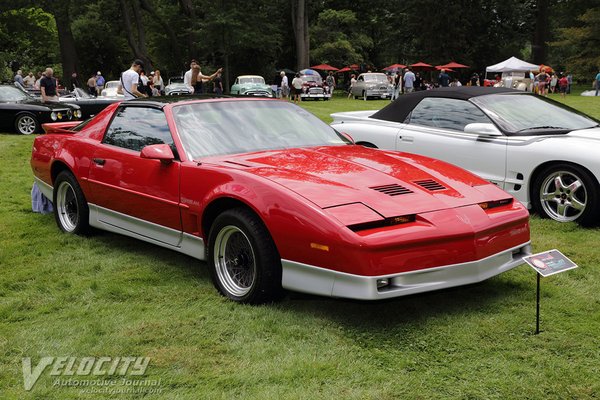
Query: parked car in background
[(177, 87), (23, 113), (372, 85), (251, 85), (276, 199), (89, 105), (313, 86), (111, 89), (544, 153)]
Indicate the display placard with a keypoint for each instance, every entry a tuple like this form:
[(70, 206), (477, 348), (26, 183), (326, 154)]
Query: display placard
[(549, 262)]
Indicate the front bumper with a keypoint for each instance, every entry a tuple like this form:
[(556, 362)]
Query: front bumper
[(315, 280), (384, 94)]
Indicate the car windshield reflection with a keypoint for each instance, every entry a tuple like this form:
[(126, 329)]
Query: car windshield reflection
[(527, 114), (10, 94), (215, 128)]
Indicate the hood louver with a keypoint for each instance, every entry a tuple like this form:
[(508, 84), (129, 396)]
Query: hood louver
[(392, 190), (430, 185)]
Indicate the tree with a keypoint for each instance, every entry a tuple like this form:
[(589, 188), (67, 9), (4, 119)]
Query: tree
[(300, 26)]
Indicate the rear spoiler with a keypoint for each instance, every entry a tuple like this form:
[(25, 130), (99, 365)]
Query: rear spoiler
[(60, 127)]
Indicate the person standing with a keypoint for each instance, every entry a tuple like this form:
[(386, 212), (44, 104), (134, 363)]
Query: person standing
[(285, 85), (542, 81), (48, 86), (330, 80), (158, 82), (553, 82), (19, 78), (597, 82), (197, 78), (352, 83), (29, 80), (100, 81), (409, 81), (563, 84), (218, 85), (570, 80), (297, 85), (130, 80), (444, 78), (91, 84)]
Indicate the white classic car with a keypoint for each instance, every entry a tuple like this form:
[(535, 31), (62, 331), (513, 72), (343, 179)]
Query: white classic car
[(372, 85), (542, 152), (111, 89)]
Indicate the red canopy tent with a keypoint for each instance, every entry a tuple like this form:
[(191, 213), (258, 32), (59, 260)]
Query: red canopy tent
[(394, 66), (345, 69), (324, 67), (353, 67), (454, 65), (422, 66), (445, 68)]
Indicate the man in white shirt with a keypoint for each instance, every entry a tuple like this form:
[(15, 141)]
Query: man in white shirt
[(187, 78), (130, 80), (409, 81), (285, 86)]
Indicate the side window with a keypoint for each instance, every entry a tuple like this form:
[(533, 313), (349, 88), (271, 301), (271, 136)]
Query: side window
[(137, 127), (444, 113), (361, 78)]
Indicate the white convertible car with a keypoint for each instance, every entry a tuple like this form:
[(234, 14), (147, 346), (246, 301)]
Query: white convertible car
[(544, 153)]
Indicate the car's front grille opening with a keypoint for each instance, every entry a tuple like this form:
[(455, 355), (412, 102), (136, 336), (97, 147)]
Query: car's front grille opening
[(392, 190), (430, 185)]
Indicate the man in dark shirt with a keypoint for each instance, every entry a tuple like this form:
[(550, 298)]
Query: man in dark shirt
[(444, 78), (48, 86)]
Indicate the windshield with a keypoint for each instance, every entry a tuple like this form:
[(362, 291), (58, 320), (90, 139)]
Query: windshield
[(311, 78), (252, 79), (82, 94), (529, 115), (10, 93), (227, 127), (381, 78), (112, 84), (175, 80)]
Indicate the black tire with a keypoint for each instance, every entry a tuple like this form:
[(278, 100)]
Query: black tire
[(26, 124), (71, 210), (239, 241), (576, 198)]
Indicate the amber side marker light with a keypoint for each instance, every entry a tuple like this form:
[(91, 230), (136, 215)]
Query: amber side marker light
[(496, 203), (319, 246)]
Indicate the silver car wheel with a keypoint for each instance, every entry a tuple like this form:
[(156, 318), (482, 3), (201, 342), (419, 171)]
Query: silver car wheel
[(67, 207), (563, 196), (235, 264), (26, 125)]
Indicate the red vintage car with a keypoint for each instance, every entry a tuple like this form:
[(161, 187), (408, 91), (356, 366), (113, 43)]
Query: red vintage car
[(275, 199)]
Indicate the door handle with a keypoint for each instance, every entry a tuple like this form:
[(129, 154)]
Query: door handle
[(99, 161), (408, 139)]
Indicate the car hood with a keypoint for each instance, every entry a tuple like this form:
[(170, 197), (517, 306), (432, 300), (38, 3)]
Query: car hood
[(247, 86), (340, 175), (51, 105)]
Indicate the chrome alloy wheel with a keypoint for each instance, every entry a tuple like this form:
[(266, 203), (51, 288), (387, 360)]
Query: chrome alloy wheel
[(563, 196), (67, 207), (234, 260), (26, 125)]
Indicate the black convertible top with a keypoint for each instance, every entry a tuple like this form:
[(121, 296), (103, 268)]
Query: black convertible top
[(398, 110)]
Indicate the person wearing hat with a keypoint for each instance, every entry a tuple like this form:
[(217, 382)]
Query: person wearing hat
[(130, 80), (100, 81)]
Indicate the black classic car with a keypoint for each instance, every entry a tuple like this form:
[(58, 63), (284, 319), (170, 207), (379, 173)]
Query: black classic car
[(26, 114), (89, 105)]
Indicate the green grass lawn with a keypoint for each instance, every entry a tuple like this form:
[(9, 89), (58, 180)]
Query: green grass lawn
[(107, 295)]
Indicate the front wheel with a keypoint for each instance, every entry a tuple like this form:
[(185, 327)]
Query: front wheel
[(244, 263), (26, 124), (566, 192), (70, 206)]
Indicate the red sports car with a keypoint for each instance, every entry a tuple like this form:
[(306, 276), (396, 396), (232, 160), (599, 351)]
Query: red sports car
[(275, 199)]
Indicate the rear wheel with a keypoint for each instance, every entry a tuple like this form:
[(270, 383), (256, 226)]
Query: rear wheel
[(566, 192), (26, 124), (70, 206), (244, 263)]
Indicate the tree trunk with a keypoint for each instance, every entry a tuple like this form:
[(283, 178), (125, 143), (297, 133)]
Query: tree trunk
[(146, 6), (300, 27), (188, 9), (539, 48), (137, 46), (68, 52)]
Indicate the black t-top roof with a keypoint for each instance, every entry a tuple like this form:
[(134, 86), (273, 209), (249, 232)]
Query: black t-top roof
[(398, 110)]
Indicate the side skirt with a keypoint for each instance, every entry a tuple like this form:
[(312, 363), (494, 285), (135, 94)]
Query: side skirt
[(112, 221)]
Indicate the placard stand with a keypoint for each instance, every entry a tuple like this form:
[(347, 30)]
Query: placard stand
[(537, 306)]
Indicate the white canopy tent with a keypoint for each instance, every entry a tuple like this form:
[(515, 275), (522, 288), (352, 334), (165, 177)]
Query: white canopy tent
[(513, 64)]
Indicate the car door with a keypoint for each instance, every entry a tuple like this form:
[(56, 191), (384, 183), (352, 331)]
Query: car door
[(134, 193), (435, 128)]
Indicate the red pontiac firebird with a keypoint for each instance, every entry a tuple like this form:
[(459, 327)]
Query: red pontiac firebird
[(275, 199)]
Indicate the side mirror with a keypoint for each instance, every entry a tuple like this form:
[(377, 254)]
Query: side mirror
[(160, 152), (483, 129)]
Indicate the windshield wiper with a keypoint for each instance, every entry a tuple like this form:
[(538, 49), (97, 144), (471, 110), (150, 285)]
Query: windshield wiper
[(542, 127)]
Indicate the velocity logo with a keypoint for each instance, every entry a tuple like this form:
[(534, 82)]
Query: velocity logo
[(85, 366)]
